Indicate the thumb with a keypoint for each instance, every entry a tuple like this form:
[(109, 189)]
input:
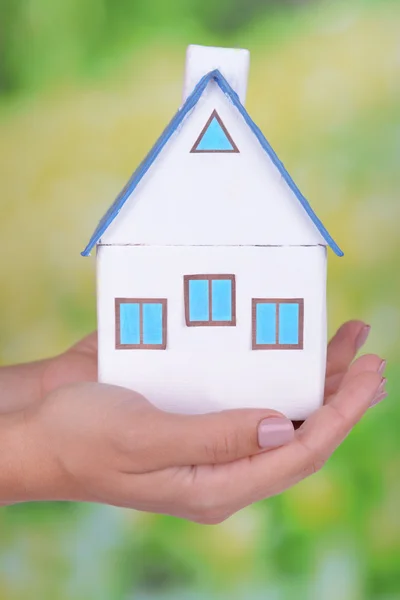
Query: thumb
[(221, 437)]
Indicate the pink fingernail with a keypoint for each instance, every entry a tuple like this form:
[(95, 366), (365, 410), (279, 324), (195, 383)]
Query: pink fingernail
[(378, 399), (382, 367), (381, 387), (362, 337), (274, 432)]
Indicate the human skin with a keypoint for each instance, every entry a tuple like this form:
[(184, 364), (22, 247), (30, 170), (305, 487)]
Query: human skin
[(65, 437)]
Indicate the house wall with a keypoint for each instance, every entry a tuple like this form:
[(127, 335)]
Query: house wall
[(213, 368), (212, 199)]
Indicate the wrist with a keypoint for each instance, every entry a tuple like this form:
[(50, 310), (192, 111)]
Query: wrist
[(29, 469)]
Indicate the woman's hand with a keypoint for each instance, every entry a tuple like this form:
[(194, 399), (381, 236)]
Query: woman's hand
[(99, 443), (22, 386)]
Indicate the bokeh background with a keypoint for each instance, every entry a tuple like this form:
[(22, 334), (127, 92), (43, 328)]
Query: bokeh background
[(86, 87)]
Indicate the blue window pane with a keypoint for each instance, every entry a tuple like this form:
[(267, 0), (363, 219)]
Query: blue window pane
[(266, 323), (221, 300), (129, 323), (198, 300), (289, 323), (152, 323), (214, 139)]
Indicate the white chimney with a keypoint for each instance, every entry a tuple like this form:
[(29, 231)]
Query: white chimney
[(233, 63)]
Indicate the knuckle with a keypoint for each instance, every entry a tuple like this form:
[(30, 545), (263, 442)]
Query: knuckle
[(315, 466), (314, 457), (316, 454), (339, 420), (225, 448)]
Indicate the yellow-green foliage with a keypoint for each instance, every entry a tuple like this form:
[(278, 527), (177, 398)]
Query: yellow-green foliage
[(324, 88)]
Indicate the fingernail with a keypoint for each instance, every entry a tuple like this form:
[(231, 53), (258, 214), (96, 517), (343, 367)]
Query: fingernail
[(382, 367), (378, 399), (381, 387), (274, 432), (362, 337)]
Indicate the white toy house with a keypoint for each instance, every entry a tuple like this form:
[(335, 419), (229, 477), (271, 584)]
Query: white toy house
[(212, 264)]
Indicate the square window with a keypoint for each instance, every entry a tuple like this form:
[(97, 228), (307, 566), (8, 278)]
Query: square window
[(277, 324), (209, 300), (140, 323)]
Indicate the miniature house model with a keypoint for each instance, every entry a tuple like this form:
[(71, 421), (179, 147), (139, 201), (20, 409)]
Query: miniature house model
[(211, 264)]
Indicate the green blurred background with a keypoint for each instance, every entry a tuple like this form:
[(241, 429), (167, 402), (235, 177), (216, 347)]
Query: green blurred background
[(86, 86)]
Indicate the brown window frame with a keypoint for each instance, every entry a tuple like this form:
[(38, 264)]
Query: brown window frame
[(210, 278), (141, 345), (235, 149), (278, 302)]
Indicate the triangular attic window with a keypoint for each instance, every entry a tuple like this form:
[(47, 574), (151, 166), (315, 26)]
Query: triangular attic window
[(214, 137)]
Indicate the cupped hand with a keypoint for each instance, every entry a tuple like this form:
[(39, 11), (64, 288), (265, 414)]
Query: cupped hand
[(98, 443)]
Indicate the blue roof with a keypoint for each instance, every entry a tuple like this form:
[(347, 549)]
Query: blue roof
[(190, 103)]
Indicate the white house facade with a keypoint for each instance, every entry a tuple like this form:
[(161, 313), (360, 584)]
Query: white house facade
[(212, 268), (205, 368)]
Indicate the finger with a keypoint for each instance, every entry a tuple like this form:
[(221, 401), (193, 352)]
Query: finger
[(367, 362), (78, 364), (324, 431), (88, 345), (214, 438), (208, 495), (344, 346), (314, 442), (213, 494)]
